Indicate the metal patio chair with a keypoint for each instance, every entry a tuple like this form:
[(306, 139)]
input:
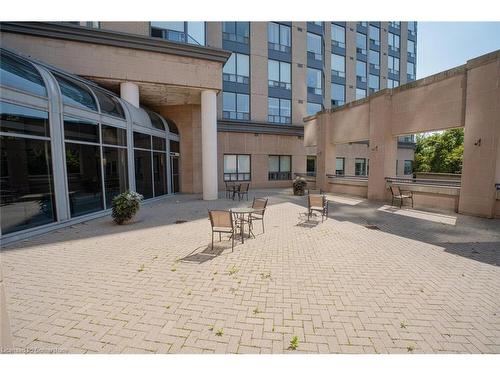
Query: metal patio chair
[(243, 190), (230, 187), (397, 193), (317, 203), (222, 222), (259, 204)]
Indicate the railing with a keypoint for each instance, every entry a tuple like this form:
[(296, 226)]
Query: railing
[(235, 78), (423, 181), (233, 115), (279, 176), (347, 176), (279, 84), (336, 43), (337, 73), (307, 174), (235, 38), (278, 47), (315, 90), (276, 119), (237, 177)]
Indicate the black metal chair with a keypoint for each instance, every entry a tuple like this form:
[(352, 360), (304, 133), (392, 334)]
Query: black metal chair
[(222, 222), (318, 203), (243, 190), (259, 204), (397, 193), (230, 187)]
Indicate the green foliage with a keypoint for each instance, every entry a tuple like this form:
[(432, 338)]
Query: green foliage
[(299, 185), (440, 152), (125, 206), (294, 343)]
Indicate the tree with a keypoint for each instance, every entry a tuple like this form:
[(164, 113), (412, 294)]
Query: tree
[(440, 152)]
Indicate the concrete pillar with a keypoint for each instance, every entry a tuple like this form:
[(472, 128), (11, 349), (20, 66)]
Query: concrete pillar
[(130, 92), (5, 332), (481, 140), (209, 144), (383, 147)]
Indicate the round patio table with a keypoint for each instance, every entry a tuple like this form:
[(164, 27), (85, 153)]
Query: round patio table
[(240, 213)]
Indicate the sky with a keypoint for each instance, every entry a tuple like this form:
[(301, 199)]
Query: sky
[(444, 45)]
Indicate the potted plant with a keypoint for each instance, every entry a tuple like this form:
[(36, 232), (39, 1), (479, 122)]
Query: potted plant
[(125, 206), (299, 185)]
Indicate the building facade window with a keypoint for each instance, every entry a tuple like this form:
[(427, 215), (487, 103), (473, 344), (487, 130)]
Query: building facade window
[(315, 46), (237, 167), (338, 35), (361, 43), (412, 28), (408, 167), (279, 37), (314, 81), (374, 59), (340, 166), (338, 65), (393, 65), (181, 32), (236, 32), (26, 176), (360, 93), (395, 24), (313, 108), (311, 165), (392, 83), (374, 33), (360, 71), (360, 167), (279, 111), (393, 41), (411, 48), (410, 70), (279, 74), (237, 69), (235, 106), (338, 95), (279, 167), (373, 83)]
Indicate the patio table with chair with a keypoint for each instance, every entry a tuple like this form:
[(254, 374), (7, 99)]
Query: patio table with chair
[(234, 189)]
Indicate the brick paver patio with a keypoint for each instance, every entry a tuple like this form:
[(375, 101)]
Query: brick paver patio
[(367, 280)]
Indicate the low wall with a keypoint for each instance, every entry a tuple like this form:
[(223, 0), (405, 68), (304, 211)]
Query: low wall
[(439, 176), (430, 196), (349, 186)]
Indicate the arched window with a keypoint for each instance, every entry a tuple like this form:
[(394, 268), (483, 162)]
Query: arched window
[(172, 127), (74, 93), (109, 104), (155, 120), (20, 74)]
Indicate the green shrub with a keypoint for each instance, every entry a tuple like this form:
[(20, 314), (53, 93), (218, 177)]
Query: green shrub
[(299, 185), (125, 206)]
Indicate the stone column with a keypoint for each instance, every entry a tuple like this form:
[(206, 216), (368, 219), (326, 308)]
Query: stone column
[(383, 147), (130, 92), (481, 139), (209, 144)]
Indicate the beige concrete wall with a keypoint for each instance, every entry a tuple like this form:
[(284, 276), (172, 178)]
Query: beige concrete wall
[(139, 28), (359, 189), (258, 71), (299, 72), (352, 124), (350, 61), (214, 34), (404, 154), (188, 121), (260, 147), (482, 122), (101, 61), (428, 107)]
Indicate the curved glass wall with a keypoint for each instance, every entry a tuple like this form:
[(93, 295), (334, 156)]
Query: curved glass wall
[(40, 185), (26, 179), (75, 93), (20, 74)]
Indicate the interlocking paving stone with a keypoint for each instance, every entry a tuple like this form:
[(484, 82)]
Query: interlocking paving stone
[(412, 286)]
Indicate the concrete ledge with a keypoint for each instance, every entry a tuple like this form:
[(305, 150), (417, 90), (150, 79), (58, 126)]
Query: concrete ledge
[(349, 186), (114, 38)]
